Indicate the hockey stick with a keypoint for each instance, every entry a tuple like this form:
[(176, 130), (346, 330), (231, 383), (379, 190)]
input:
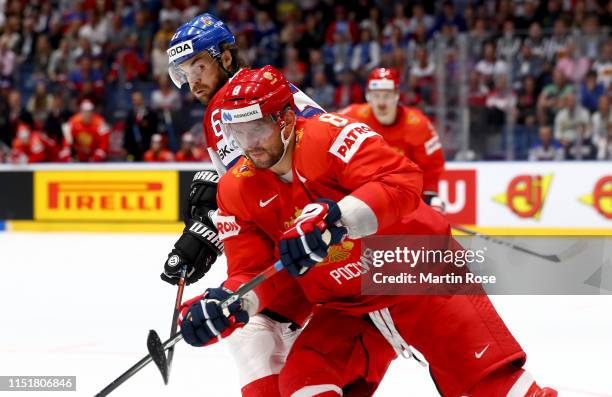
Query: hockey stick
[(551, 258), (157, 349), (162, 362), (175, 316)]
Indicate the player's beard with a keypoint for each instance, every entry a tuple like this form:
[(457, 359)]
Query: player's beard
[(208, 91), (265, 157)]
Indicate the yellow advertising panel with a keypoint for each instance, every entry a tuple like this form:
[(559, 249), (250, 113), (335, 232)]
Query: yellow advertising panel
[(106, 195)]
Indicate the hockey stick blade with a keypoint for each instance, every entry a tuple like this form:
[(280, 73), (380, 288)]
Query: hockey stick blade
[(552, 257), (156, 350)]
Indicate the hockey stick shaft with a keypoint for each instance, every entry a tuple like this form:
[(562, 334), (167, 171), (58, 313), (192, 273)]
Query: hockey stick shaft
[(552, 258), (240, 292), (125, 376), (175, 315)]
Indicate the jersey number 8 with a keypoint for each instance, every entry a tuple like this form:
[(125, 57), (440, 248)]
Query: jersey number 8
[(333, 119)]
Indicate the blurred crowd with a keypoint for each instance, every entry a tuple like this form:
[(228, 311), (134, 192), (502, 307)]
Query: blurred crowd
[(86, 80)]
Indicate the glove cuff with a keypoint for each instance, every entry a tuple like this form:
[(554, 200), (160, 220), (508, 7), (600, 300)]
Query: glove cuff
[(202, 196), (208, 177), (333, 211), (428, 195), (205, 234)]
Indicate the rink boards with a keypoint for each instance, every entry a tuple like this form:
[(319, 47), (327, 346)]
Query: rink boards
[(492, 197)]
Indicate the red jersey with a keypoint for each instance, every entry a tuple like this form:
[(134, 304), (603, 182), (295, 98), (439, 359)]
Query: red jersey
[(39, 148), (160, 156), (88, 141), (194, 154), (412, 134), (334, 158)]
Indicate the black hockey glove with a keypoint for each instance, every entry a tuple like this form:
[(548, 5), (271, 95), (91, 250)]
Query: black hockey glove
[(202, 196), (199, 245), (198, 248)]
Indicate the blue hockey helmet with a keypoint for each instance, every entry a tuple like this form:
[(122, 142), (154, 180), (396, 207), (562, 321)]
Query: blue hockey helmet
[(202, 33)]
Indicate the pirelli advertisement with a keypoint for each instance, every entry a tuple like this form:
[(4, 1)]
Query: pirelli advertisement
[(500, 197), (106, 196)]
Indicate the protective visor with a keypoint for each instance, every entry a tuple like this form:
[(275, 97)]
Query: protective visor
[(381, 84), (192, 69), (177, 75), (251, 134)]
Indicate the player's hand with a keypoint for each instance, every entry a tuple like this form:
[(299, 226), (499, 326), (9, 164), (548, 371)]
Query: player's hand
[(99, 155), (202, 195), (434, 201), (203, 321), (304, 245), (198, 248)]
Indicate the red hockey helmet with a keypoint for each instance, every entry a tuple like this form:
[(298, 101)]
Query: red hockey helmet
[(383, 79), (254, 94), (254, 97)]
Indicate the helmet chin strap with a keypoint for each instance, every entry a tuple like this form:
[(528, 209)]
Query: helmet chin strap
[(285, 142)]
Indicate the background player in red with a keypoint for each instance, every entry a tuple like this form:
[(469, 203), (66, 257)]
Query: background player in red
[(158, 151), (203, 54), (189, 151), (370, 189), (405, 128), (85, 136), (31, 146)]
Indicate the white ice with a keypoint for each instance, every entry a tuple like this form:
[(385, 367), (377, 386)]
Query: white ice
[(82, 304)]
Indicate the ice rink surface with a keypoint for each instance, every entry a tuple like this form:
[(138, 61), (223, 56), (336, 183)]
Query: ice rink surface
[(82, 304)]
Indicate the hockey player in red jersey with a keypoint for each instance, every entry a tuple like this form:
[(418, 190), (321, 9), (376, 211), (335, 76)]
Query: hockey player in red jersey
[(86, 136), (369, 189), (32, 147), (405, 128), (158, 153), (189, 151), (203, 54)]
